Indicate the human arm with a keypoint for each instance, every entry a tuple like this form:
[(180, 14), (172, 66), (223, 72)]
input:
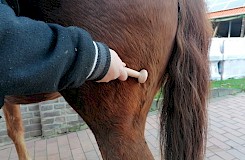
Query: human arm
[(37, 57)]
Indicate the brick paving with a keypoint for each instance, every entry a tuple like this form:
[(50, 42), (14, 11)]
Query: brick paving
[(226, 137)]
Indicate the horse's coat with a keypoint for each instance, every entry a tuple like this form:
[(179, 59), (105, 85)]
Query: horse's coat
[(172, 46)]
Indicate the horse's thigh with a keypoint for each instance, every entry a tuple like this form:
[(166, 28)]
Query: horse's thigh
[(117, 104), (116, 113)]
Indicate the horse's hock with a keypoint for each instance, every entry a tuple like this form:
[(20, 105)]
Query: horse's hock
[(45, 119)]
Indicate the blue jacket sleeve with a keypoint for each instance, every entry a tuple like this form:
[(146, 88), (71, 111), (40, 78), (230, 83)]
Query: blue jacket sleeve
[(37, 57)]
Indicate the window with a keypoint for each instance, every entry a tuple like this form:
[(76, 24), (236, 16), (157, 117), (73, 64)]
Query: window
[(230, 28)]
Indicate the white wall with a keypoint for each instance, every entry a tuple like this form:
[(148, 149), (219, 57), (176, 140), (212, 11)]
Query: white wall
[(227, 58)]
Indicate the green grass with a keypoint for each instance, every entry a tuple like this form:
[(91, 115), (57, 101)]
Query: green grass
[(230, 83), (159, 94)]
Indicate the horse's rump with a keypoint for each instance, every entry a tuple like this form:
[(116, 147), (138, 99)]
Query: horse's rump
[(143, 33)]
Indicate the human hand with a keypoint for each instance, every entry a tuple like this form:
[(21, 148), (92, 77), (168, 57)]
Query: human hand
[(116, 70)]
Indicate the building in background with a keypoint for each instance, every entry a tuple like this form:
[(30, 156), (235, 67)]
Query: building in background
[(227, 17), (227, 50)]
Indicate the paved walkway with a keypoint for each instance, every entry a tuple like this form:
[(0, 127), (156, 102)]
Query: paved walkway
[(226, 137)]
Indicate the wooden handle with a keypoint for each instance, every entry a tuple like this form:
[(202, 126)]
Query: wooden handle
[(142, 75)]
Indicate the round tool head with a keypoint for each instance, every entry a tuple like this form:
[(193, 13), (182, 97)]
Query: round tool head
[(143, 76)]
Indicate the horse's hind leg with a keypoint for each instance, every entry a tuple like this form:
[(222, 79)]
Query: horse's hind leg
[(116, 117), (124, 141), (15, 129)]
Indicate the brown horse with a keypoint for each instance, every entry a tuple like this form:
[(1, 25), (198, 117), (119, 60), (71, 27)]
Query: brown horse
[(170, 39)]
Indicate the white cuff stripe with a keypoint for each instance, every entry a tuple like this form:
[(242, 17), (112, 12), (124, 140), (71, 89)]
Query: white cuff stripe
[(95, 59)]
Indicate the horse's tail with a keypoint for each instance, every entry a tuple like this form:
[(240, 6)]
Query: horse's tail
[(184, 114)]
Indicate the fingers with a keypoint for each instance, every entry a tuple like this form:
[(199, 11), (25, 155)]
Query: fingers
[(123, 75), (116, 70)]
